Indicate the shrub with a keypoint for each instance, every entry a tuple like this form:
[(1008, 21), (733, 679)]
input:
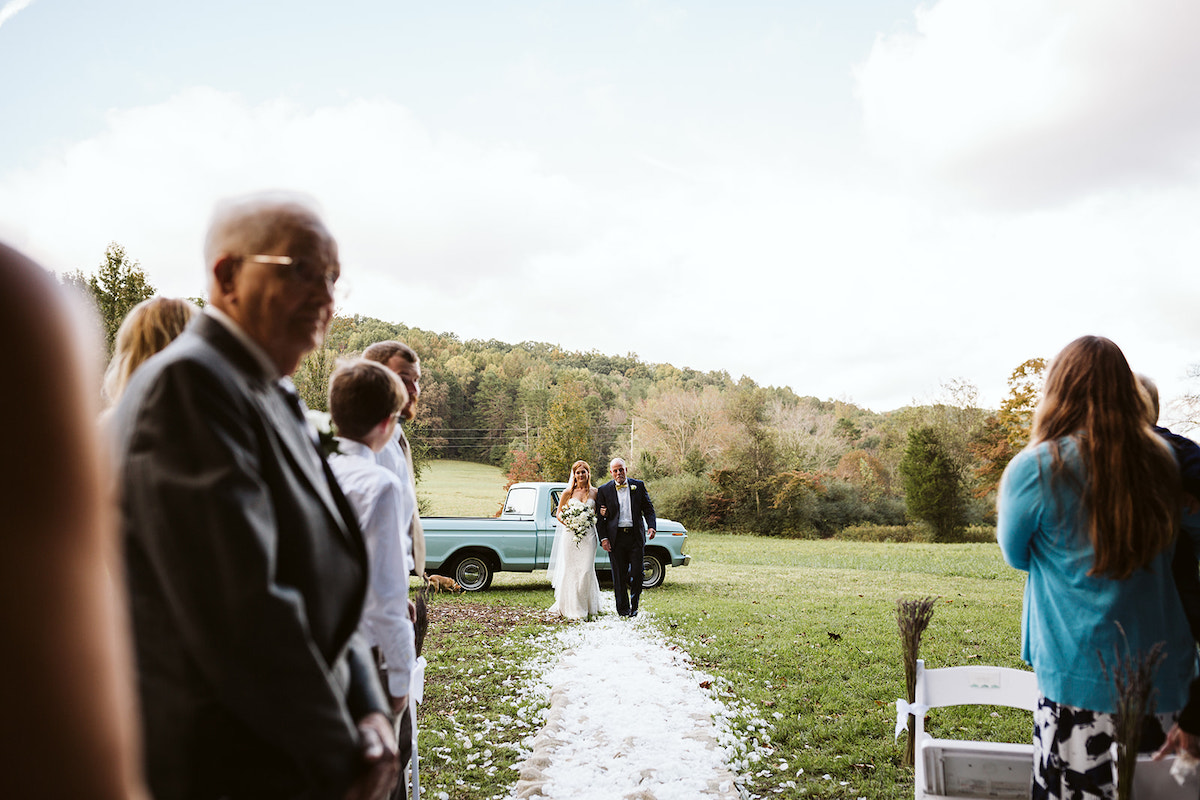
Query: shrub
[(976, 534), (681, 498), (914, 532)]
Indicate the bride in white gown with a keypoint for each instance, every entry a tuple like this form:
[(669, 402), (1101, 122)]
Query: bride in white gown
[(572, 561)]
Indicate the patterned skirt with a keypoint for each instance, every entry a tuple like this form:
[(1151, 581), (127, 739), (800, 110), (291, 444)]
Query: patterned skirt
[(1072, 759)]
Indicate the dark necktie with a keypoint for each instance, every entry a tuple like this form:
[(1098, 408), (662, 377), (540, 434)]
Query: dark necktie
[(288, 390)]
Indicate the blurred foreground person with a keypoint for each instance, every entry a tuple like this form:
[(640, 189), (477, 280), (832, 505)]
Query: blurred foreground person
[(1090, 509), (1185, 734), (69, 718), (149, 326), (246, 567)]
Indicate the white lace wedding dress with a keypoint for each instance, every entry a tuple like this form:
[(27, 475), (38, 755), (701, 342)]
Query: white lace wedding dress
[(573, 572)]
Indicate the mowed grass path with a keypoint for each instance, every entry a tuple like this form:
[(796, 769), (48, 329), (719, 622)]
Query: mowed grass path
[(803, 631)]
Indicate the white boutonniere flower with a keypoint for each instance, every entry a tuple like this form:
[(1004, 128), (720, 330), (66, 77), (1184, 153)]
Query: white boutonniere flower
[(632, 487), (322, 421)]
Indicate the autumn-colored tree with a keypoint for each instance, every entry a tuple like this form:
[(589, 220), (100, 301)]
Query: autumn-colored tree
[(523, 467), (1007, 431), (795, 496), (865, 471)]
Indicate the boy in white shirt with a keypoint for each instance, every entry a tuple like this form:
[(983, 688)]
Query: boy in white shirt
[(365, 400)]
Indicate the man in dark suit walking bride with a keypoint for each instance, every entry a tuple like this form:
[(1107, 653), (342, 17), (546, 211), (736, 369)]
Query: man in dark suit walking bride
[(626, 521)]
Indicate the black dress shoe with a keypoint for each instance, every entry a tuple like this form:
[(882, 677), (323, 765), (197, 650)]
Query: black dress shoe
[(633, 613)]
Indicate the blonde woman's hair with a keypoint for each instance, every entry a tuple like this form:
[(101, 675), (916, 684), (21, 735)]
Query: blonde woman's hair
[(150, 326), (567, 492), (1128, 483)]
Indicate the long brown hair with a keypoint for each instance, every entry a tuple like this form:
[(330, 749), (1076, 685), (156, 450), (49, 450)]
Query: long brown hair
[(570, 490), (1129, 483)]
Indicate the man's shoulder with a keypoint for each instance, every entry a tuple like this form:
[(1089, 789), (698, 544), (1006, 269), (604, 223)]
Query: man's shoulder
[(190, 366), (391, 457)]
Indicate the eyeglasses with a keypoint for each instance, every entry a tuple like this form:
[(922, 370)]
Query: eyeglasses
[(300, 271)]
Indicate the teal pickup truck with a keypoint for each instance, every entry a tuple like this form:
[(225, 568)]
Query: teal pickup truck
[(473, 549)]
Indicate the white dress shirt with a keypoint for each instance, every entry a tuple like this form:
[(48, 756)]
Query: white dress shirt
[(625, 507), (383, 504), (394, 458)]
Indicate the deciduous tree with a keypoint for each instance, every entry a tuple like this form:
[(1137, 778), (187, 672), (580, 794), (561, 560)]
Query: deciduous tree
[(117, 286), (1007, 431), (567, 435)]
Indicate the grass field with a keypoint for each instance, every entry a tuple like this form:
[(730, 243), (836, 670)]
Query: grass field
[(461, 489), (802, 631)]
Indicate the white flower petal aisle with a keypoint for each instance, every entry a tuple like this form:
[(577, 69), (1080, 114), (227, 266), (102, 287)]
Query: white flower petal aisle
[(627, 719)]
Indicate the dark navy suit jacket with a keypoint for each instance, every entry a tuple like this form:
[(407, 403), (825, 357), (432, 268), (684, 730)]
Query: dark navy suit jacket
[(643, 509)]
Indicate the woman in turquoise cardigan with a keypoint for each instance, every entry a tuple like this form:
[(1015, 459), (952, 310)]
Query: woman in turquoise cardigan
[(1090, 509)]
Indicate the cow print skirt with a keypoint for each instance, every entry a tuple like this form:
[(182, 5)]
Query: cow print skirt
[(1071, 755)]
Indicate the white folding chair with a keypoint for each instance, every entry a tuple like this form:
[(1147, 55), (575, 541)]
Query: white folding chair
[(954, 769)]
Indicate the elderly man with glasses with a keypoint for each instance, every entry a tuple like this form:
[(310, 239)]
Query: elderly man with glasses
[(246, 567)]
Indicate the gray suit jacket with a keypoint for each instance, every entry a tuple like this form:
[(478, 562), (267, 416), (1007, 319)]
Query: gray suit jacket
[(247, 575)]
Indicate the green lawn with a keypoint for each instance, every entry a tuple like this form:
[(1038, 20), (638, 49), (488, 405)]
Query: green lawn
[(461, 489), (802, 631)]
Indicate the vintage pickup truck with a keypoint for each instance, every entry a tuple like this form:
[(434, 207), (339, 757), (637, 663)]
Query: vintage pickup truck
[(473, 549)]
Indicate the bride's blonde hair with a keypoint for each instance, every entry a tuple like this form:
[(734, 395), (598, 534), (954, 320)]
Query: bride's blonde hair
[(570, 490)]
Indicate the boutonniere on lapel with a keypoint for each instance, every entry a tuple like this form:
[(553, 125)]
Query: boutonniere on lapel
[(632, 487), (322, 422)]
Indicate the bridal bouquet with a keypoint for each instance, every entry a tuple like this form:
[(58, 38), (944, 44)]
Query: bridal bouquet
[(578, 518)]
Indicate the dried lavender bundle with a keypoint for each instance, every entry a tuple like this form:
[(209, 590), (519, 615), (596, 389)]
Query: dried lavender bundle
[(913, 617), (422, 623), (1133, 684)]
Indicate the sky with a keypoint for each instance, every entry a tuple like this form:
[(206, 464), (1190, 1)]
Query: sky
[(862, 201)]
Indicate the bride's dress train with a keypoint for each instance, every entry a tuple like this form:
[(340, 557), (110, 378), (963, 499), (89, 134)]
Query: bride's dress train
[(573, 572)]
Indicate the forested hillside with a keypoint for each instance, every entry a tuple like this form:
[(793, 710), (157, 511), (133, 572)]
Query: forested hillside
[(721, 453)]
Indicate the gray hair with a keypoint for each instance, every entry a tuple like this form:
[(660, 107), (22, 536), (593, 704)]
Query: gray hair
[(259, 222)]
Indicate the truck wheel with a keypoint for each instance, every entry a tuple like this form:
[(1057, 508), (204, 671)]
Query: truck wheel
[(653, 571), (473, 572)]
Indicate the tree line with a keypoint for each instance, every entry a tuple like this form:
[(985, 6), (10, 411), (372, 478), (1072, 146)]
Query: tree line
[(722, 453)]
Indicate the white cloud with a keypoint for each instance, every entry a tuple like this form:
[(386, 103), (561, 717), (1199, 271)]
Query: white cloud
[(439, 211), (12, 8), (1025, 103), (730, 260)]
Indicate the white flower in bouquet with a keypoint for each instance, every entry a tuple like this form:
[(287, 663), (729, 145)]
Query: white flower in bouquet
[(578, 518)]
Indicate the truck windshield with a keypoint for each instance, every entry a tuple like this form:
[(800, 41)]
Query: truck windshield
[(521, 501)]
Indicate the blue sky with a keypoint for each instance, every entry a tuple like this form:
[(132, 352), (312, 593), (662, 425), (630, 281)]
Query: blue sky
[(859, 200)]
